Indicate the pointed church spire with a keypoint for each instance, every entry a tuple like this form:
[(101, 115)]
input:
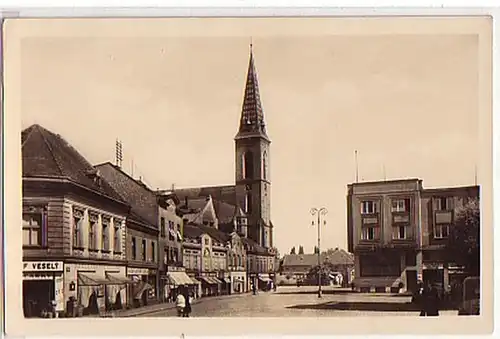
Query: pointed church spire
[(252, 122)]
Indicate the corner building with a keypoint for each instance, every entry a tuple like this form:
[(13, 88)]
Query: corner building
[(398, 232)]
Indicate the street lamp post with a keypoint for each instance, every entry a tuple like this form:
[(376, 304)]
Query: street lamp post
[(320, 212)]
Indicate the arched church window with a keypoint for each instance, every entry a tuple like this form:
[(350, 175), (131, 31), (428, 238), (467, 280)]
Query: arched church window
[(248, 203), (264, 165), (247, 165)]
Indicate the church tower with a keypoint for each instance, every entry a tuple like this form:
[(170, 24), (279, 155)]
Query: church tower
[(253, 183)]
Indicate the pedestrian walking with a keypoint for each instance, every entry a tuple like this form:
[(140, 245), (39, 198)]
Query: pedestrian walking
[(188, 299), (433, 301), (180, 304)]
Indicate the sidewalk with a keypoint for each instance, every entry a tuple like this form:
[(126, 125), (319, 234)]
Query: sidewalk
[(163, 307)]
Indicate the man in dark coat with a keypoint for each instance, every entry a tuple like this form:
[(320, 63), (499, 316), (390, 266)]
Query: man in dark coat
[(430, 301)]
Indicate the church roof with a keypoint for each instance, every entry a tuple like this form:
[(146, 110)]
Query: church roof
[(46, 154), (252, 122)]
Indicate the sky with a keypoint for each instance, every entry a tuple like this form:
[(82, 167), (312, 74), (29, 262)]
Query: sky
[(407, 103)]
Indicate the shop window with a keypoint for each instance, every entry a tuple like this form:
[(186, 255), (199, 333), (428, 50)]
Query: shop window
[(117, 245), (33, 227), (380, 265), (105, 235)]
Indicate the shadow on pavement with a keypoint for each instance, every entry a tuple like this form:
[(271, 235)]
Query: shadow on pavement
[(364, 306)]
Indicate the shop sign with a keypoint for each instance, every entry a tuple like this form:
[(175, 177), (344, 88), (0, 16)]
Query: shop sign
[(40, 266), (38, 276), (137, 271)]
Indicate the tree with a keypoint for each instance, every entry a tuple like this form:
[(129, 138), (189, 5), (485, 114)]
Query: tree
[(463, 241), (301, 249), (292, 251), (316, 250)]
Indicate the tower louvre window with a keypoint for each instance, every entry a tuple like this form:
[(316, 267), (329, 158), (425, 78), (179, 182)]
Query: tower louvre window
[(248, 165)]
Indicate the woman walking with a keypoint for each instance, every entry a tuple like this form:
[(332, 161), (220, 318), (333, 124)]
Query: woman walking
[(180, 304)]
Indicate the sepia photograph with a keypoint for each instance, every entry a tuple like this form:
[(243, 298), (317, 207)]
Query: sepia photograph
[(252, 167)]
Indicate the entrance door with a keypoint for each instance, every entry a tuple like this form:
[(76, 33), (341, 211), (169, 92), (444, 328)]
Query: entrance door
[(411, 281), (37, 296)]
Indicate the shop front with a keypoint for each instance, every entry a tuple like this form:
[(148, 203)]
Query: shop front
[(177, 279), (238, 282), (210, 286), (43, 288), (142, 290), (264, 282), (95, 288)]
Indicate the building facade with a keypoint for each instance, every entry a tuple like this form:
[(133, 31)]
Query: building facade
[(74, 231), (142, 234), (398, 231)]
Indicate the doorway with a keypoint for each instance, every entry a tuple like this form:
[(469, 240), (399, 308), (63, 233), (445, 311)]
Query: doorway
[(37, 296)]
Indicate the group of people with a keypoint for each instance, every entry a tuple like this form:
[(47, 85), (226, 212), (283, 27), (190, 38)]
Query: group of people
[(183, 302), (428, 299)]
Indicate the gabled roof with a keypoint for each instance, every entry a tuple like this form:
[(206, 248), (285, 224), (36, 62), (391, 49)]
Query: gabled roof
[(46, 154), (253, 246), (252, 115), (142, 199), (192, 231), (337, 257), (224, 211)]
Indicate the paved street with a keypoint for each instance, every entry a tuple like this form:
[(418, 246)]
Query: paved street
[(286, 304)]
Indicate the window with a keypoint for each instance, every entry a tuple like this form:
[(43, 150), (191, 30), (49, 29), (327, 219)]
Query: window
[(442, 204), (247, 165), (400, 205), (370, 233), (33, 227), (400, 232), (134, 248), (153, 251), (171, 231), (77, 228), (441, 231), (105, 235), (264, 166), (248, 203), (207, 241), (162, 227), (93, 232), (368, 207), (144, 250), (117, 237)]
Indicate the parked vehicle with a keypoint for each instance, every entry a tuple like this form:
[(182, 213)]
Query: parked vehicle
[(470, 297)]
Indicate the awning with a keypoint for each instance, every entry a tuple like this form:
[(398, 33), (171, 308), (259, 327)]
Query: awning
[(90, 279), (264, 279), (179, 278), (144, 286), (216, 280), (209, 280), (195, 281), (117, 280)]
